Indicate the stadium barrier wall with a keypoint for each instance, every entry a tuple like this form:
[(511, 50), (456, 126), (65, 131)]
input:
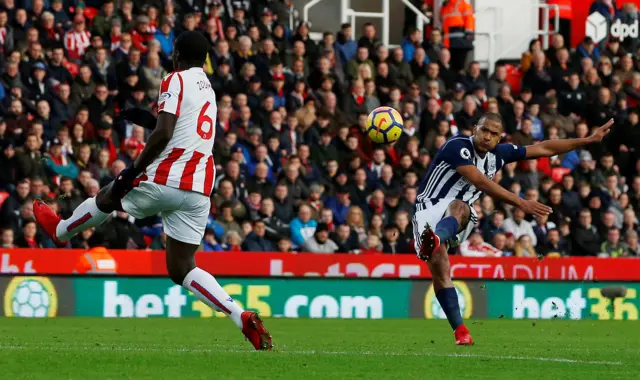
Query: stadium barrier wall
[(140, 297), (261, 264)]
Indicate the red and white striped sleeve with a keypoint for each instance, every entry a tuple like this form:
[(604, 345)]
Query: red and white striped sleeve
[(171, 93)]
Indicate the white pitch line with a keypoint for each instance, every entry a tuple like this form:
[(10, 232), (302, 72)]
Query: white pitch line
[(308, 352)]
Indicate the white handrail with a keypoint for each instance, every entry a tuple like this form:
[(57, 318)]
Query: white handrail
[(421, 19), (307, 6)]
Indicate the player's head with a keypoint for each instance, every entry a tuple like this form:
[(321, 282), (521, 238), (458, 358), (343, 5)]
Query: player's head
[(488, 132), (190, 50)]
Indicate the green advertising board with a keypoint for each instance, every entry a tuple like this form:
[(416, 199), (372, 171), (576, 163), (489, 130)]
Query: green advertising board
[(292, 298), (35, 296), (567, 300)]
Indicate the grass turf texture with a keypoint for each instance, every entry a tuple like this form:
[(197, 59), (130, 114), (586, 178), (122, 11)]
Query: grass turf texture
[(92, 348)]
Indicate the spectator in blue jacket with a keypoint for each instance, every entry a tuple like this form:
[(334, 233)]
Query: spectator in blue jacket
[(410, 43), (587, 49), (165, 35), (302, 227), (57, 164), (256, 241), (339, 204), (209, 242), (345, 45)]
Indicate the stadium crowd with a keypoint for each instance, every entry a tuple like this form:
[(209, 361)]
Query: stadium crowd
[(295, 171)]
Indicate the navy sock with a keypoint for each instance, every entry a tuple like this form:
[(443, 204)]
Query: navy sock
[(447, 228), (449, 302)]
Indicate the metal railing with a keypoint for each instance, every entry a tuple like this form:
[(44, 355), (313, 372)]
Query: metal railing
[(347, 14)]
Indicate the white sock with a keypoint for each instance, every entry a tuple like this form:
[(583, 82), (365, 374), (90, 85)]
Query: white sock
[(85, 216), (205, 287)]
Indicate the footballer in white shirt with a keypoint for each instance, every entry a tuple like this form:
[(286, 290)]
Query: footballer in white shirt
[(173, 177)]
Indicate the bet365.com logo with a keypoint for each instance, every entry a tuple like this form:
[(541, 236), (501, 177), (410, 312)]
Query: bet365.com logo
[(30, 297), (432, 309)]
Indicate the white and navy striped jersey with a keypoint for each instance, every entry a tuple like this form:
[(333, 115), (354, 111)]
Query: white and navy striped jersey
[(444, 182)]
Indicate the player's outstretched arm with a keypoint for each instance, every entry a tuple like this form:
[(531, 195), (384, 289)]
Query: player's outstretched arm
[(157, 141), (553, 147), (482, 183)]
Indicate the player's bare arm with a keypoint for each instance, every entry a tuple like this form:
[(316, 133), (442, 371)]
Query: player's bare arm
[(553, 147), (158, 140), (487, 186)]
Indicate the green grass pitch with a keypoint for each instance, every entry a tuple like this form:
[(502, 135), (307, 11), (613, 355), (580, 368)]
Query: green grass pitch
[(92, 348)]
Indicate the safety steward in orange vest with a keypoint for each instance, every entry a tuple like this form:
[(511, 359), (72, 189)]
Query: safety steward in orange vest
[(458, 26)]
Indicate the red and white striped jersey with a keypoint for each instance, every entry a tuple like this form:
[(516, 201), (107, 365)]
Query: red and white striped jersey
[(187, 161), (76, 43)]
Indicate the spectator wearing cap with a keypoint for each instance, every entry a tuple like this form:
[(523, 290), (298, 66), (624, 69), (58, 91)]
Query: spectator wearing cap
[(266, 23), (585, 172), (320, 241), (57, 164), (277, 88), (77, 40)]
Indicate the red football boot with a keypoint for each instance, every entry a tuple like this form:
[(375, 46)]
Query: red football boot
[(48, 220), (430, 243), (254, 330), (463, 338)]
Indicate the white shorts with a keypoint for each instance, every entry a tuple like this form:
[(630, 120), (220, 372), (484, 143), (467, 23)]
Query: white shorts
[(184, 213), (432, 214)]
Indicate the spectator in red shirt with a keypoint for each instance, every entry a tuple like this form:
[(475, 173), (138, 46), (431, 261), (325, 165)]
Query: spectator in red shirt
[(77, 40), (140, 36)]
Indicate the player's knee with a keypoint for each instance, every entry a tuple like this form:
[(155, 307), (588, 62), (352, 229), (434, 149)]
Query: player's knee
[(459, 210), (177, 276)]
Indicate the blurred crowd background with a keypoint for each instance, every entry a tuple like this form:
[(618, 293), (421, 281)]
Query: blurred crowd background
[(295, 172)]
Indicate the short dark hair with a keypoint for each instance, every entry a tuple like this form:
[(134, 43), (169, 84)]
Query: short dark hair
[(192, 48), (490, 116)]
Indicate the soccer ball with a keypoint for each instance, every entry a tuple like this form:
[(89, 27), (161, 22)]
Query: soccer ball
[(384, 125), (30, 299)]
